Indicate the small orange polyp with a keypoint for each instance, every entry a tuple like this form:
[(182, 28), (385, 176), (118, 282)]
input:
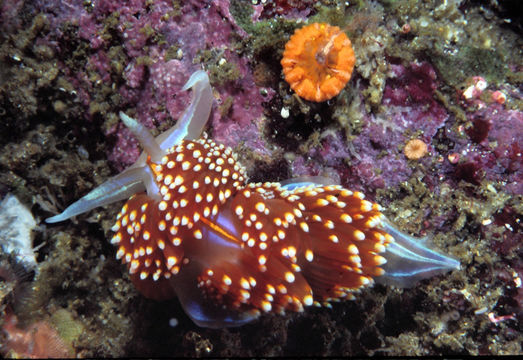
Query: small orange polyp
[(415, 149), (318, 61)]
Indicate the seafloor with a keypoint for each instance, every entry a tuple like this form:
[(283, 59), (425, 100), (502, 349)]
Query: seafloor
[(446, 72)]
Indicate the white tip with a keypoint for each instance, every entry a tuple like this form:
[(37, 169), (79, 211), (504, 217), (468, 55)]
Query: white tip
[(198, 76), (145, 138)]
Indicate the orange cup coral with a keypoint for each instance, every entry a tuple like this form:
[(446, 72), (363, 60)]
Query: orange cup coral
[(415, 149), (318, 61)]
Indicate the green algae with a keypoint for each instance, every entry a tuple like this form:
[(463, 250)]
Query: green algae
[(219, 69), (470, 61), (35, 71), (110, 26), (268, 39), (472, 252), (336, 15), (348, 112), (79, 322), (226, 106), (173, 52), (68, 328), (460, 44), (242, 12)]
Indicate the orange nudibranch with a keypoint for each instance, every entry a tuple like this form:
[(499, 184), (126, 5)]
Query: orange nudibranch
[(193, 227), (318, 61)]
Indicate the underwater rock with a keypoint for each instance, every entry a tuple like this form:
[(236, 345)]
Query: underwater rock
[(16, 224)]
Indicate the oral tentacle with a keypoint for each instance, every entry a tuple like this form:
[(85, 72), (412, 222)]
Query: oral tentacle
[(138, 176), (148, 142), (117, 188)]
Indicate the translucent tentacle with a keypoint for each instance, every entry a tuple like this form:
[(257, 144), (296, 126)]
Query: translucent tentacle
[(138, 177), (194, 118), (305, 181), (145, 138), (120, 187)]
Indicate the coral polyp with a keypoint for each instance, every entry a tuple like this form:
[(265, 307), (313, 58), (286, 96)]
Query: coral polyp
[(318, 61)]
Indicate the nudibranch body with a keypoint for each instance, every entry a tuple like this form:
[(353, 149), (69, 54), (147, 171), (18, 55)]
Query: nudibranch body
[(231, 250)]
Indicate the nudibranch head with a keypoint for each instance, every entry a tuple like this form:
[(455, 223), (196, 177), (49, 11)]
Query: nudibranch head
[(318, 61), (193, 227), (195, 179)]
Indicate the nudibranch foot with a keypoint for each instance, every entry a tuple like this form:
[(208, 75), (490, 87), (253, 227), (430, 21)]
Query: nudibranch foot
[(305, 181), (205, 311)]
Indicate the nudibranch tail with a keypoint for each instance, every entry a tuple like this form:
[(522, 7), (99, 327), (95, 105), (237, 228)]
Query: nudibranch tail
[(138, 176), (410, 259), (407, 259), (306, 181)]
